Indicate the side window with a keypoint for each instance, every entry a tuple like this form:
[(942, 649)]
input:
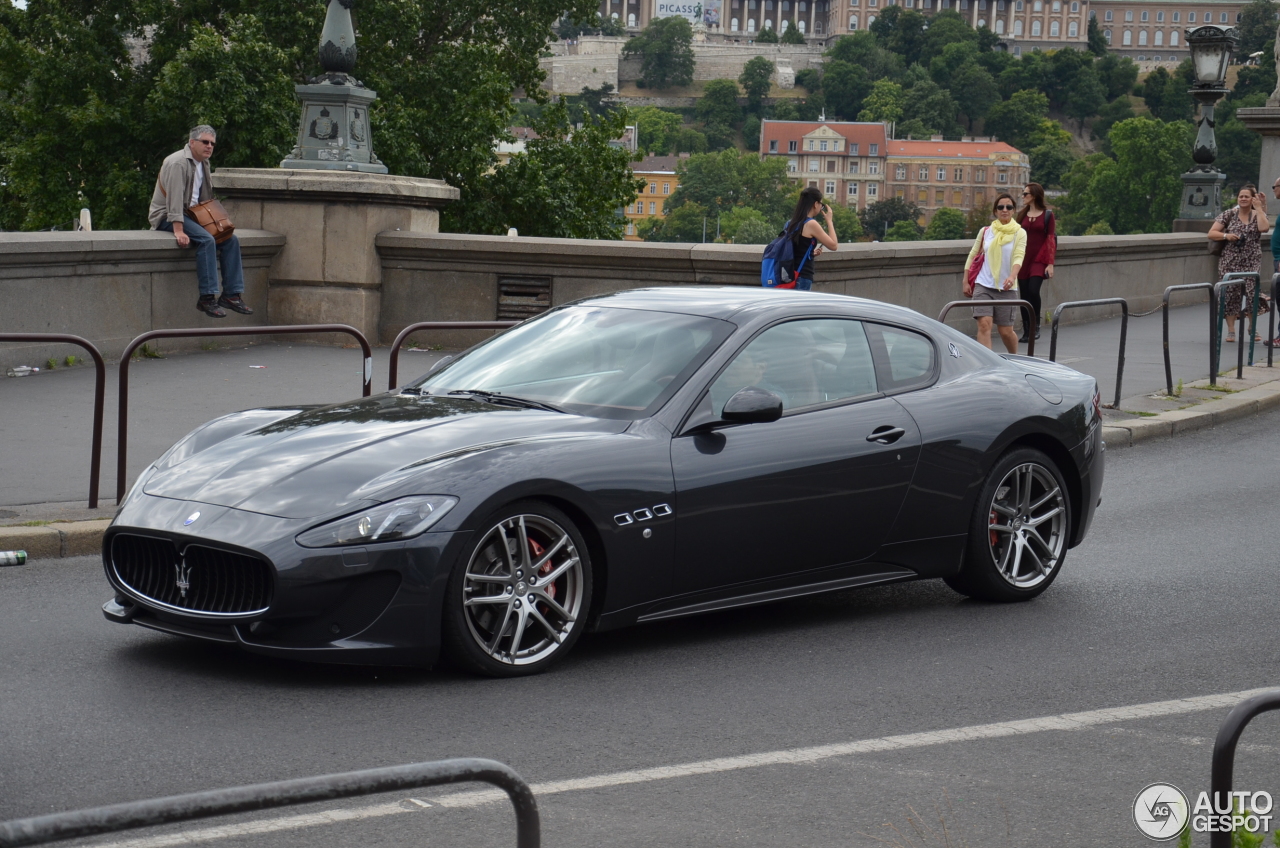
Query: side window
[(803, 362), (905, 359)]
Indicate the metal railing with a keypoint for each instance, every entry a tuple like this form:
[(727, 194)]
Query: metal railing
[(1216, 339), (1028, 315), (263, 796), (1224, 753), (1124, 333), (99, 393), (394, 364), (1213, 328), (122, 436)]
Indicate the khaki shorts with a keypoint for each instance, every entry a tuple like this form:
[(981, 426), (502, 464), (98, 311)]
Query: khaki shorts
[(1003, 314)]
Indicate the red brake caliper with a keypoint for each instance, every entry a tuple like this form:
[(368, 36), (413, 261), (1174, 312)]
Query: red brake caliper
[(537, 551), (995, 538)]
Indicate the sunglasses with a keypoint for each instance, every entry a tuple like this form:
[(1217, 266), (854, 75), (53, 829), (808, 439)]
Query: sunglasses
[(1026, 194), (1004, 208), (206, 141)]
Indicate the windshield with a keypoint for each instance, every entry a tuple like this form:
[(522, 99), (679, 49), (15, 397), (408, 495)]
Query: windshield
[(589, 360)]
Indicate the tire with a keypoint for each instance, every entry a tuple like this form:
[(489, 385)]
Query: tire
[(518, 598), (1019, 532)]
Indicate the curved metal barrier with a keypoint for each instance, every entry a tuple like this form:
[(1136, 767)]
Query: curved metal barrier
[(1028, 314), (1124, 333), (99, 392), (1213, 326), (1216, 339), (263, 796), (122, 436), (1224, 752), (394, 373)]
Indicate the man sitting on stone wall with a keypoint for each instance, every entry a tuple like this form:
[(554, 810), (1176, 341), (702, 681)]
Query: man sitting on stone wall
[(184, 181)]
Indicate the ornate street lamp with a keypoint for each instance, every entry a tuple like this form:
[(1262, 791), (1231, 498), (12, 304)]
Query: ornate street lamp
[(1211, 48)]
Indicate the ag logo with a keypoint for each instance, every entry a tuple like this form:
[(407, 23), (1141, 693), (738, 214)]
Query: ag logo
[(1160, 811)]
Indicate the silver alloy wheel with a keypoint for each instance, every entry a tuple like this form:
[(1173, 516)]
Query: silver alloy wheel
[(1027, 532), (523, 590)]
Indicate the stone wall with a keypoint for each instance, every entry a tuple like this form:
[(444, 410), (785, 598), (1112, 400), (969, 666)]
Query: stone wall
[(110, 287), (449, 277), (571, 74), (600, 61)]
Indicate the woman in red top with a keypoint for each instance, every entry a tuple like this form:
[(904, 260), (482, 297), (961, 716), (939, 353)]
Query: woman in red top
[(1042, 249)]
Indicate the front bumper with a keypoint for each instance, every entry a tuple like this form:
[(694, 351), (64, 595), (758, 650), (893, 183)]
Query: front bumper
[(375, 604), (1091, 458)]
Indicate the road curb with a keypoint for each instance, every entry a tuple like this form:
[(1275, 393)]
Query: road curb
[(55, 540), (1178, 422)]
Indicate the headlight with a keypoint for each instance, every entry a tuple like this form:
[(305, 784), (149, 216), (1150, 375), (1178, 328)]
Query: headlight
[(388, 522)]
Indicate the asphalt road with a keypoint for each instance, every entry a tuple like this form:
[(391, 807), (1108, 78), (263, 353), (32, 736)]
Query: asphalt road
[(44, 456), (1172, 596)]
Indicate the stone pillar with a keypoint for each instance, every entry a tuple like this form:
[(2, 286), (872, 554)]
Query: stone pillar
[(1265, 121), (329, 269)]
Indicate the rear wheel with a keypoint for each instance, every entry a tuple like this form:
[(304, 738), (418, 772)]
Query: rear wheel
[(518, 599), (1019, 531)]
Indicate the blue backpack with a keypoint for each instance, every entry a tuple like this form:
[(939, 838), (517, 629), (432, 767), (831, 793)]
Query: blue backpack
[(778, 268)]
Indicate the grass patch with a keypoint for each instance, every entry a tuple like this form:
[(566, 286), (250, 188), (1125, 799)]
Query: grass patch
[(32, 524), (1140, 414)]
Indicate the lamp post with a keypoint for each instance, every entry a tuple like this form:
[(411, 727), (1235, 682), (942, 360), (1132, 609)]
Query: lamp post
[(1211, 48)]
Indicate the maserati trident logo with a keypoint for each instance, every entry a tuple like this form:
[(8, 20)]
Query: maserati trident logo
[(191, 518), (182, 578)]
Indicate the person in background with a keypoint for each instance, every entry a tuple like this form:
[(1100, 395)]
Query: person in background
[(810, 234), (1275, 250), (1241, 228), (184, 181), (1003, 245), (1042, 248)]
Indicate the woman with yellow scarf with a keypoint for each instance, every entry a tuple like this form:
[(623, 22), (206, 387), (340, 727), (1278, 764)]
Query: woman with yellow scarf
[(1002, 245)]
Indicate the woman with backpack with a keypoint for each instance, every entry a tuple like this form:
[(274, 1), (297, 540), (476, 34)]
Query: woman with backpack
[(808, 236), (991, 272), (1042, 249)]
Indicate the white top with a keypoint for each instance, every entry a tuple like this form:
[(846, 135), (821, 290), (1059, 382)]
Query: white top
[(195, 185), (1006, 262)]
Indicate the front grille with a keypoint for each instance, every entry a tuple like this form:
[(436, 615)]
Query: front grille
[(199, 579)]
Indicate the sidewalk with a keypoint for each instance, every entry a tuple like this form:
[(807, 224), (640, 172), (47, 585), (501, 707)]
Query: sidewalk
[(45, 419)]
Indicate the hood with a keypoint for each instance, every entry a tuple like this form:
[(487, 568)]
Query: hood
[(323, 460)]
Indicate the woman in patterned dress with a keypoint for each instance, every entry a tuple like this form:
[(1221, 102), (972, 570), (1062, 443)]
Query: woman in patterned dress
[(1240, 227)]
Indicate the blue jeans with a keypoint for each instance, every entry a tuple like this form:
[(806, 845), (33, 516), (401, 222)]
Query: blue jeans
[(804, 284), (209, 254)]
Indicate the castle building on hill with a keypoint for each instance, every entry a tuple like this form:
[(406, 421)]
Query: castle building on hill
[(1143, 30), (857, 164)]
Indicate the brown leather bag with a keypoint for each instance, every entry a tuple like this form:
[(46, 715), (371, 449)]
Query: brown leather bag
[(214, 219), (209, 215)]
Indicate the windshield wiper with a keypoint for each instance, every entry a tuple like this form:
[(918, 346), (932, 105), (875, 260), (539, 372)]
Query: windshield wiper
[(499, 399), (411, 390)]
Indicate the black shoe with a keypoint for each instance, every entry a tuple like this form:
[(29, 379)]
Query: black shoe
[(1037, 334), (208, 304), (1024, 337), (235, 303)]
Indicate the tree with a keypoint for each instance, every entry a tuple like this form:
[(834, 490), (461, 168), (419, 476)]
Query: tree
[(542, 192), (903, 231), (718, 105), (1085, 95), (1176, 103), (809, 79), (593, 99), (1097, 41), (689, 140), (1015, 119), (756, 80), (1118, 74), (666, 51), (844, 87), (731, 224), (885, 23), (755, 232), (767, 36), (885, 102), (717, 182), (791, 35), (945, 67), (1153, 90), (862, 49), (929, 103), (947, 27), (1050, 152), (811, 107), (87, 123), (683, 224), (882, 214), (848, 227), (1110, 115), (1257, 27), (751, 133), (975, 91), (946, 224), (784, 110), (1259, 78), (1239, 148), (657, 129), (1141, 189)]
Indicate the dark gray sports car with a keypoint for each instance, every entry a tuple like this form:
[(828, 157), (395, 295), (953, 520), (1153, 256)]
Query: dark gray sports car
[(626, 458)]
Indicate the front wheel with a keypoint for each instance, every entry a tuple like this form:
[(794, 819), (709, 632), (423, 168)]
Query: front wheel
[(519, 597), (1019, 531)]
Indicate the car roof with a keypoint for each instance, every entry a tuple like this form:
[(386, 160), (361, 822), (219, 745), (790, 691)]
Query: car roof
[(729, 302)]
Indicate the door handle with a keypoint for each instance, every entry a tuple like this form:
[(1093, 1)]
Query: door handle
[(886, 434)]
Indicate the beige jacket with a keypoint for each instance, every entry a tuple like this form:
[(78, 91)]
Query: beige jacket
[(173, 187)]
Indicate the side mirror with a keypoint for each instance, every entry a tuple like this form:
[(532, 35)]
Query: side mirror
[(753, 405)]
